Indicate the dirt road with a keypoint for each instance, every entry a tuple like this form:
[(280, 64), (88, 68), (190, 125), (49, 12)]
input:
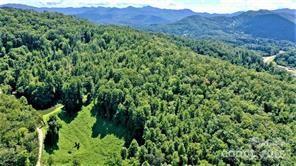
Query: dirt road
[(270, 59), (40, 140)]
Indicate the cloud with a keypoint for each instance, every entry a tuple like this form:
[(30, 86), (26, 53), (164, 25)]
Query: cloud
[(212, 6)]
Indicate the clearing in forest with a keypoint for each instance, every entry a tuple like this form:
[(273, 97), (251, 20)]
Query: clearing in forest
[(86, 139)]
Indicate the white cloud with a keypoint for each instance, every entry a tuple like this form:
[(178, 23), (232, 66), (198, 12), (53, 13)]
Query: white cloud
[(214, 6)]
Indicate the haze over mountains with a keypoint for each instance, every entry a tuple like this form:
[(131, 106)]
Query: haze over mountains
[(123, 16), (263, 23), (277, 24)]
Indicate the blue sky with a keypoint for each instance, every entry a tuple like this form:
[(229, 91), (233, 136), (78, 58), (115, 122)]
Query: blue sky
[(211, 6)]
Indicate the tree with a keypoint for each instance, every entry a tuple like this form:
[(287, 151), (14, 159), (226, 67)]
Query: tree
[(175, 159), (109, 97), (124, 153), (145, 163), (133, 148), (72, 98), (181, 149), (52, 134)]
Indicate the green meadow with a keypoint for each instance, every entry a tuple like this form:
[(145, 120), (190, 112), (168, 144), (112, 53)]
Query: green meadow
[(100, 141)]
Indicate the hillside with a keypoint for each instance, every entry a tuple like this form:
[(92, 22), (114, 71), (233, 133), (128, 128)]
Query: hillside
[(287, 59), (266, 24), (252, 24), (180, 108), (236, 55), (287, 13), (18, 139)]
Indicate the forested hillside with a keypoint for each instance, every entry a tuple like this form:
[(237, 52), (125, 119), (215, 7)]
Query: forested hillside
[(251, 24), (263, 30), (266, 32), (179, 107), (18, 139), (287, 59), (236, 55), (266, 24), (287, 13)]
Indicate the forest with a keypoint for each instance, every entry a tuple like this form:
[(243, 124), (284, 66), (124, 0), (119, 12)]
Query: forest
[(180, 107), (251, 59), (18, 139), (287, 59)]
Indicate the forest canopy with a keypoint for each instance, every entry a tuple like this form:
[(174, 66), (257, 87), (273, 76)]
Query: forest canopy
[(180, 107), (18, 139)]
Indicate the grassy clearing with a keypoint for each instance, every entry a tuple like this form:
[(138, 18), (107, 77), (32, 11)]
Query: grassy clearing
[(100, 141), (51, 111), (46, 114)]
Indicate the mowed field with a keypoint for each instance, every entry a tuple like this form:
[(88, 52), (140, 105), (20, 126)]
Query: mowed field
[(100, 141)]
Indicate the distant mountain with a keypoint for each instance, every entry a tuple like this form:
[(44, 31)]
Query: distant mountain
[(289, 14), (285, 11), (17, 6), (266, 24), (134, 16), (263, 24), (277, 24), (122, 16)]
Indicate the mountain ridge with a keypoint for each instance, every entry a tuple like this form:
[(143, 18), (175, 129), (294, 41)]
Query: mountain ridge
[(163, 16), (262, 23), (116, 15)]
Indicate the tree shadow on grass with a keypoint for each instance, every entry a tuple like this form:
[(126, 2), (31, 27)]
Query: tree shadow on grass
[(50, 149), (103, 127), (51, 145), (66, 117)]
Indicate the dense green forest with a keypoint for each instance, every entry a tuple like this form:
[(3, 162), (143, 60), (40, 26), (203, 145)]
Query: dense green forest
[(287, 59), (236, 55), (18, 139), (265, 47), (179, 107)]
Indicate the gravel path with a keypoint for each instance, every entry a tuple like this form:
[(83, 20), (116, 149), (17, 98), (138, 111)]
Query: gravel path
[(40, 140)]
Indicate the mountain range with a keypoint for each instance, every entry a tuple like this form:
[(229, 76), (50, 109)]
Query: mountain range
[(121, 16), (276, 24)]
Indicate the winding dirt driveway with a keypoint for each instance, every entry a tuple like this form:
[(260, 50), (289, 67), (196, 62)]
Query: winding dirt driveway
[(40, 140), (270, 59)]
